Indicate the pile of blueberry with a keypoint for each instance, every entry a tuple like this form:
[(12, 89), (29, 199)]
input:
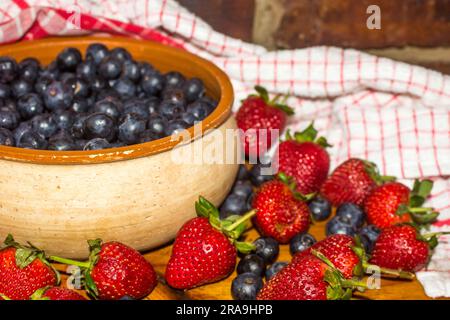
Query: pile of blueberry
[(102, 101)]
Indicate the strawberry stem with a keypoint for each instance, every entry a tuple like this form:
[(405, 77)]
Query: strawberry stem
[(351, 283), (434, 234), (245, 217), (80, 264), (396, 274), (4, 297)]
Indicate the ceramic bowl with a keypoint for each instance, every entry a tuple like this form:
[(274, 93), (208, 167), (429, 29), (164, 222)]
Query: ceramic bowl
[(139, 195)]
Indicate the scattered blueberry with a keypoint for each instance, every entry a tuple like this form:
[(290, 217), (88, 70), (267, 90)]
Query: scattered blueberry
[(274, 269), (242, 173), (127, 298), (252, 263), (242, 188), (369, 235), (246, 286), (233, 205), (352, 213), (320, 209), (340, 225), (256, 175), (300, 242), (267, 248)]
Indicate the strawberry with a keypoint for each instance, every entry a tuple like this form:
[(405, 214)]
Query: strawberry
[(304, 158), (56, 293), (402, 247), (115, 270), (394, 203), (308, 277), (352, 181), (258, 114), (281, 212), (348, 256), (205, 247), (23, 270)]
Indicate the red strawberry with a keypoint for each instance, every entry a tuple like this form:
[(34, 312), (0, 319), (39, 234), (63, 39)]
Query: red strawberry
[(115, 270), (348, 257), (304, 158), (281, 213), (352, 181), (256, 113), (23, 270), (56, 293), (394, 203), (204, 250), (307, 278), (402, 247)]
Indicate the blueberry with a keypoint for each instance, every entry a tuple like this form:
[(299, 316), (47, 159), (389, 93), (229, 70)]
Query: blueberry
[(300, 242), (125, 87), (117, 144), (86, 70), (98, 84), (41, 84), (51, 71), (175, 96), (130, 70), (80, 143), (21, 129), (62, 144), (242, 173), (199, 109), (127, 298), (176, 126), (69, 59), (29, 69), (193, 89), (137, 106), (78, 127), (8, 104), (246, 286), (110, 68), (9, 119), (32, 140), (320, 209), (5, 91), (97, 144), (44, 124), (30, 105), (369, 235), (152, 83), (339, 225), (249, 202), (233, 205), (107, 107), (267, 248), (64, 119), (131, 126), (251, 263), (6, 137), (8, 69), (96, 52), (274, 269), (152, 104), (157, 125), (80, 87), (99, 125), (79, 105), (256, 176), (20, 87), (120, 54), (352, 213), (148, 136), (242, 188), (58, 96), (170, 110), (174, 79), (145, 68), (188, 118)]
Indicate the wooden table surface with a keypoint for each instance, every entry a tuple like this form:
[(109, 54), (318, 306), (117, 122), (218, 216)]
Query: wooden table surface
[(390, 289)]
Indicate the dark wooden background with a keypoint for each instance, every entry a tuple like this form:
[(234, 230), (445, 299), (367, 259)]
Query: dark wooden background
[(416, 31)]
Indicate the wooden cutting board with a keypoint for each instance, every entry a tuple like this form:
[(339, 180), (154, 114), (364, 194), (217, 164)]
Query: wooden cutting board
[(390, 289)]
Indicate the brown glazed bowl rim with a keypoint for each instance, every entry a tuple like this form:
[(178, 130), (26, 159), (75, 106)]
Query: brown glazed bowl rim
[(214, 120)]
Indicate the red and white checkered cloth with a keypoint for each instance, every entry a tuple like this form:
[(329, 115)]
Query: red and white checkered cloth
[(392, 113)]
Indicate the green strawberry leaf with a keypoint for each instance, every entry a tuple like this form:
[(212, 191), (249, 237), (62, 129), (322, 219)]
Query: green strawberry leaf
[(39, 294), (206, 209), (307, 135), (285, 108), (263, 93), (244, 247), (416, 201), (422, 188), (89, 284), (24, 257)]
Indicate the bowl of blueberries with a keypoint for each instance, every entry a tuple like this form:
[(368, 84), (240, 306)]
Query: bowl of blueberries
[(87, 128)]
